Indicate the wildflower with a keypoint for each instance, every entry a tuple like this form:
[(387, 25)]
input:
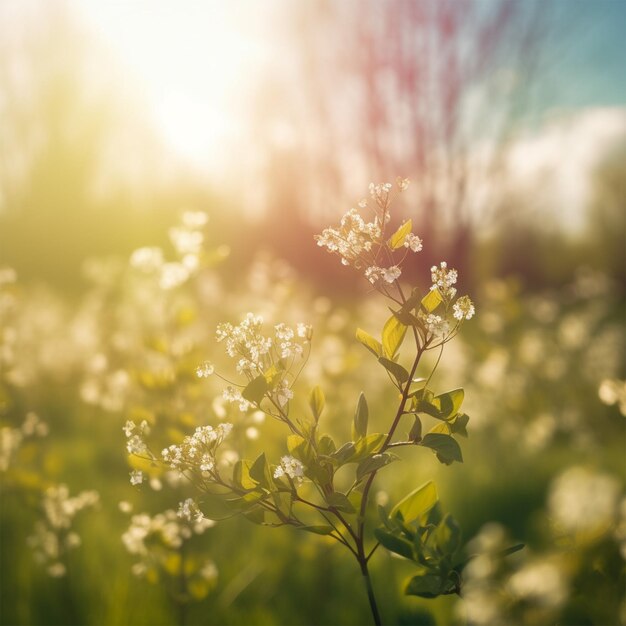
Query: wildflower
[(373, 274), (136, 445), (413, 242), (436, 324), (304, 331), (136, 477), (188, 510), (353, 239), (390, 274), (205, 370), (443, 279), (463, 308), (230, 394), (129, 427), (291, 467)]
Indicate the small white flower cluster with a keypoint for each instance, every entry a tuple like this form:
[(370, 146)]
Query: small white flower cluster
[(258, 354), (436, 324), (388, 274), (189, 511), (204, 370), (135, 443), (359, 243), (291, 467), (11, 438), (443, 279), (463, 309), (197, 452), (165, 529), (53, 536), (187, 240)]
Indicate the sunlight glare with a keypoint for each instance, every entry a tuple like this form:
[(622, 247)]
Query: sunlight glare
[(193, 64)]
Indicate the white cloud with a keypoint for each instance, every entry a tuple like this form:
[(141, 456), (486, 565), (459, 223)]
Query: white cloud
[(553, 168)]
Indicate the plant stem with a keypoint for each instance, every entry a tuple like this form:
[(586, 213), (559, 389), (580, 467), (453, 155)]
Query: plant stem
[(368, 586)]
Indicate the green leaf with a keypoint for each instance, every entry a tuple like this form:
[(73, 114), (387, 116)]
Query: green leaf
[(446, 447), (415, 433), (425, 586), (340, 502), (373, 345), (368, 445), (318, 529), (418, 502), (394, 543), (441, 428), (241, 475), (260, 471), (352, 452), (373, 464), (459, 425), (283, 502), (256, 515), (326, 446), (449, 402), (317, 402), (447, 536), (393, 336), (256, 389), (361, 415), (397, 239), (395, 369), (431, 300), (344, 453)]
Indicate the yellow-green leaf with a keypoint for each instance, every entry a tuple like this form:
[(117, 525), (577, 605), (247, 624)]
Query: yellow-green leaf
[(431, 300), (317, 402), (373, 345), (418, 502), (397, 239), (393, 335)]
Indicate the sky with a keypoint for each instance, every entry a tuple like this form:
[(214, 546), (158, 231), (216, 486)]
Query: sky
[(194, 67)]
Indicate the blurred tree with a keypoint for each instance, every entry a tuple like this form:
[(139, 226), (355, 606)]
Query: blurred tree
[(432, 90)]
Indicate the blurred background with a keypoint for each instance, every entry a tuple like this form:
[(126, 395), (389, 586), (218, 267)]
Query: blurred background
[(119, 117)]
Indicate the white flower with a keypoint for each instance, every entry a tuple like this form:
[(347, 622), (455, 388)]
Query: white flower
[(136, 477), (189, 511), (435, 324), (205, 370), (443, 279), (413, 242), (128, 428), (463, 308), (390, 274), (291, 467), (230, 394), (373, 273), (136, 445)]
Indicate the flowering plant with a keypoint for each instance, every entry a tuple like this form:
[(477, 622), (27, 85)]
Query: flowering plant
[(303, 489)]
